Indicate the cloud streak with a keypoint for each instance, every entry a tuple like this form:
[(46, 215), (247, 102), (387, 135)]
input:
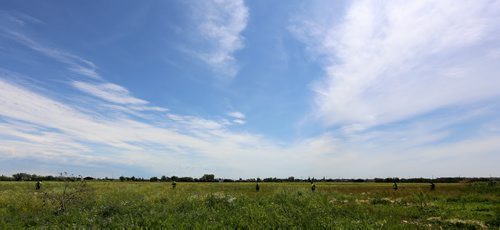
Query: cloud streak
[(379, 74), (220, 24), (238, 117), (38, 126), (390, 61), (75, 63), (58, 131), (109, 92)]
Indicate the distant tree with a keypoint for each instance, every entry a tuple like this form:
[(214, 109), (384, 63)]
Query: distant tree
[(186, 179), (258, 179), (122, 178), (21, 176), (17, 176), (174, 178), (5, 178), (272, 179), (153, 179), (208, 178), (163, 178)]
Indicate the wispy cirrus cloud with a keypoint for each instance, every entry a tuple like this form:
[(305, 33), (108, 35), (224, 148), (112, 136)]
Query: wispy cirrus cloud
[(220, 24), (116, 94), (35, 125), (38, 126), (390, 61), (13, 30), (109, 92), (18, 18), (406, 84), (74, 63), (196, 122), (236, 114), (98, 122), (237, 117)]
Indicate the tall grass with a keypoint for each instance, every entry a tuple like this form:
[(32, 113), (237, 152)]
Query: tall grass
[(238, 205)]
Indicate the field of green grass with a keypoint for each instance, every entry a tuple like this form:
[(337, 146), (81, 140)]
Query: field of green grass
[(238, 205)]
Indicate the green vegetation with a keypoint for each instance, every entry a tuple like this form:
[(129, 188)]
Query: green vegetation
[(238, 205)]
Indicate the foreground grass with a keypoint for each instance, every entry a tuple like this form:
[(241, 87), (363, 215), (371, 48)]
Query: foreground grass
[(285, 205)]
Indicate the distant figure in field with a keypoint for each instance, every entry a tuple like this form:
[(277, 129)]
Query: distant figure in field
[(433, 186), (173, 184), (257, 187), (395, 186), (38, 185), (313, 186)]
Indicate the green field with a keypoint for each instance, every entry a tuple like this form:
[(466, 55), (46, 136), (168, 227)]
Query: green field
[(238, 205)]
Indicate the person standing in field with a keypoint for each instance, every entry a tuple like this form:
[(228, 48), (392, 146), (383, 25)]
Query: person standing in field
[(433, 186), (313, 186), (395, 186), (38, 185), (257, 187), (173, 184)]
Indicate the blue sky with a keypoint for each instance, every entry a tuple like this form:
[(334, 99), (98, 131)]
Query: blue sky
[(250, 88)]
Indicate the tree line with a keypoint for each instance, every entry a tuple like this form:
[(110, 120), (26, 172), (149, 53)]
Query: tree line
[(212, 178)]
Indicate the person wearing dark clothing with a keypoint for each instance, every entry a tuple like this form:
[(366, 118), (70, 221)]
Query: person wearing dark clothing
[(174, 184), (433, 186), (38, 185), (395, 186), (257, 187), (313, 187)]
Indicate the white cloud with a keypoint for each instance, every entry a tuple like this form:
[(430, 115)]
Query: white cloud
[(196, 122), (116, 94), (85, 71), (75, 63), (390, 61), (372, 78), (37, 126), (237, 115), (18, 18), (220, 24), (109, 92), (62, 132), (239, 121)]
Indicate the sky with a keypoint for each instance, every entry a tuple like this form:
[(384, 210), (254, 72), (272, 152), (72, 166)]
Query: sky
[(246, 89)]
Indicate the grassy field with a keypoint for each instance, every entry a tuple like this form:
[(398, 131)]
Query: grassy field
[(238, 205)]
